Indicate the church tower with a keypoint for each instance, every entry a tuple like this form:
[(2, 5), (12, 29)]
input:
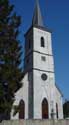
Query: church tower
[(40, 66), (42, 98)]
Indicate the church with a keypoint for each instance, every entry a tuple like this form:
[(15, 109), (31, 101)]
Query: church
[(39, 97)]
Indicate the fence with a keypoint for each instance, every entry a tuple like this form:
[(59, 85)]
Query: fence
[(35, 122)]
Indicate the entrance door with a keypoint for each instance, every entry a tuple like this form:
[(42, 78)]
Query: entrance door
[(21, 110), (45, 109)]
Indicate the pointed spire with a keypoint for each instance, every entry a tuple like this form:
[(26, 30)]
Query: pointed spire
[(37, 17)]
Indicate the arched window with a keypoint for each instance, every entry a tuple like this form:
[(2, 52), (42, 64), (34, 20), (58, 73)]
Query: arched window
[(21, 110), (42, 42), (45, 109), (57, 110)]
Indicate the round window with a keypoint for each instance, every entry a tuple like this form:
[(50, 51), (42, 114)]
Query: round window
[(44, 76)]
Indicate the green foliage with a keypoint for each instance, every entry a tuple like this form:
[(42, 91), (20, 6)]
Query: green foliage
[(10, 55), (16, 110), (66, 109)]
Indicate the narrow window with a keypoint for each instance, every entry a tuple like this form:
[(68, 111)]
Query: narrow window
[(29, 44), (57, 110), (42, 42), (27, 60)]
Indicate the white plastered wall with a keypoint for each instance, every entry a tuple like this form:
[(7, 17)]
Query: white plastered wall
[(22, 94), (59, 102), (43, 90)]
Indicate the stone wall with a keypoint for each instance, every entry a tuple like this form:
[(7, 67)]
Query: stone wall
[(35, 122)]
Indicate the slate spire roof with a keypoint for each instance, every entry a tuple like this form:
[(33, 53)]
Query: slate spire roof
[(37, 17)]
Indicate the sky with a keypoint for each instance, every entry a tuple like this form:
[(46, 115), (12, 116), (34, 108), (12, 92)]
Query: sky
[(55, 16)]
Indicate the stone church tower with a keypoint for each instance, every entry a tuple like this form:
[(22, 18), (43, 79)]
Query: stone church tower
[(39, 97)]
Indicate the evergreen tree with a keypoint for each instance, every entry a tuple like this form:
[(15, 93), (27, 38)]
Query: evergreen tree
[(66, 109), (10, 57)]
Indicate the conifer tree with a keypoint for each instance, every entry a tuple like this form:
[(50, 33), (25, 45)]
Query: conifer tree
[(10, 57)]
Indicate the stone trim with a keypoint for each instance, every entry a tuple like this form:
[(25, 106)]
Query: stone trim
[(32, 51), (43, 70), (38, 70)]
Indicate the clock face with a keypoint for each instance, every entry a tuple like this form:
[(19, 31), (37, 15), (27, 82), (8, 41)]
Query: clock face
[(44, 77)]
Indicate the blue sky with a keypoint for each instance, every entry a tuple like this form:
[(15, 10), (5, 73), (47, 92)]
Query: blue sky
[(56, 17)]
